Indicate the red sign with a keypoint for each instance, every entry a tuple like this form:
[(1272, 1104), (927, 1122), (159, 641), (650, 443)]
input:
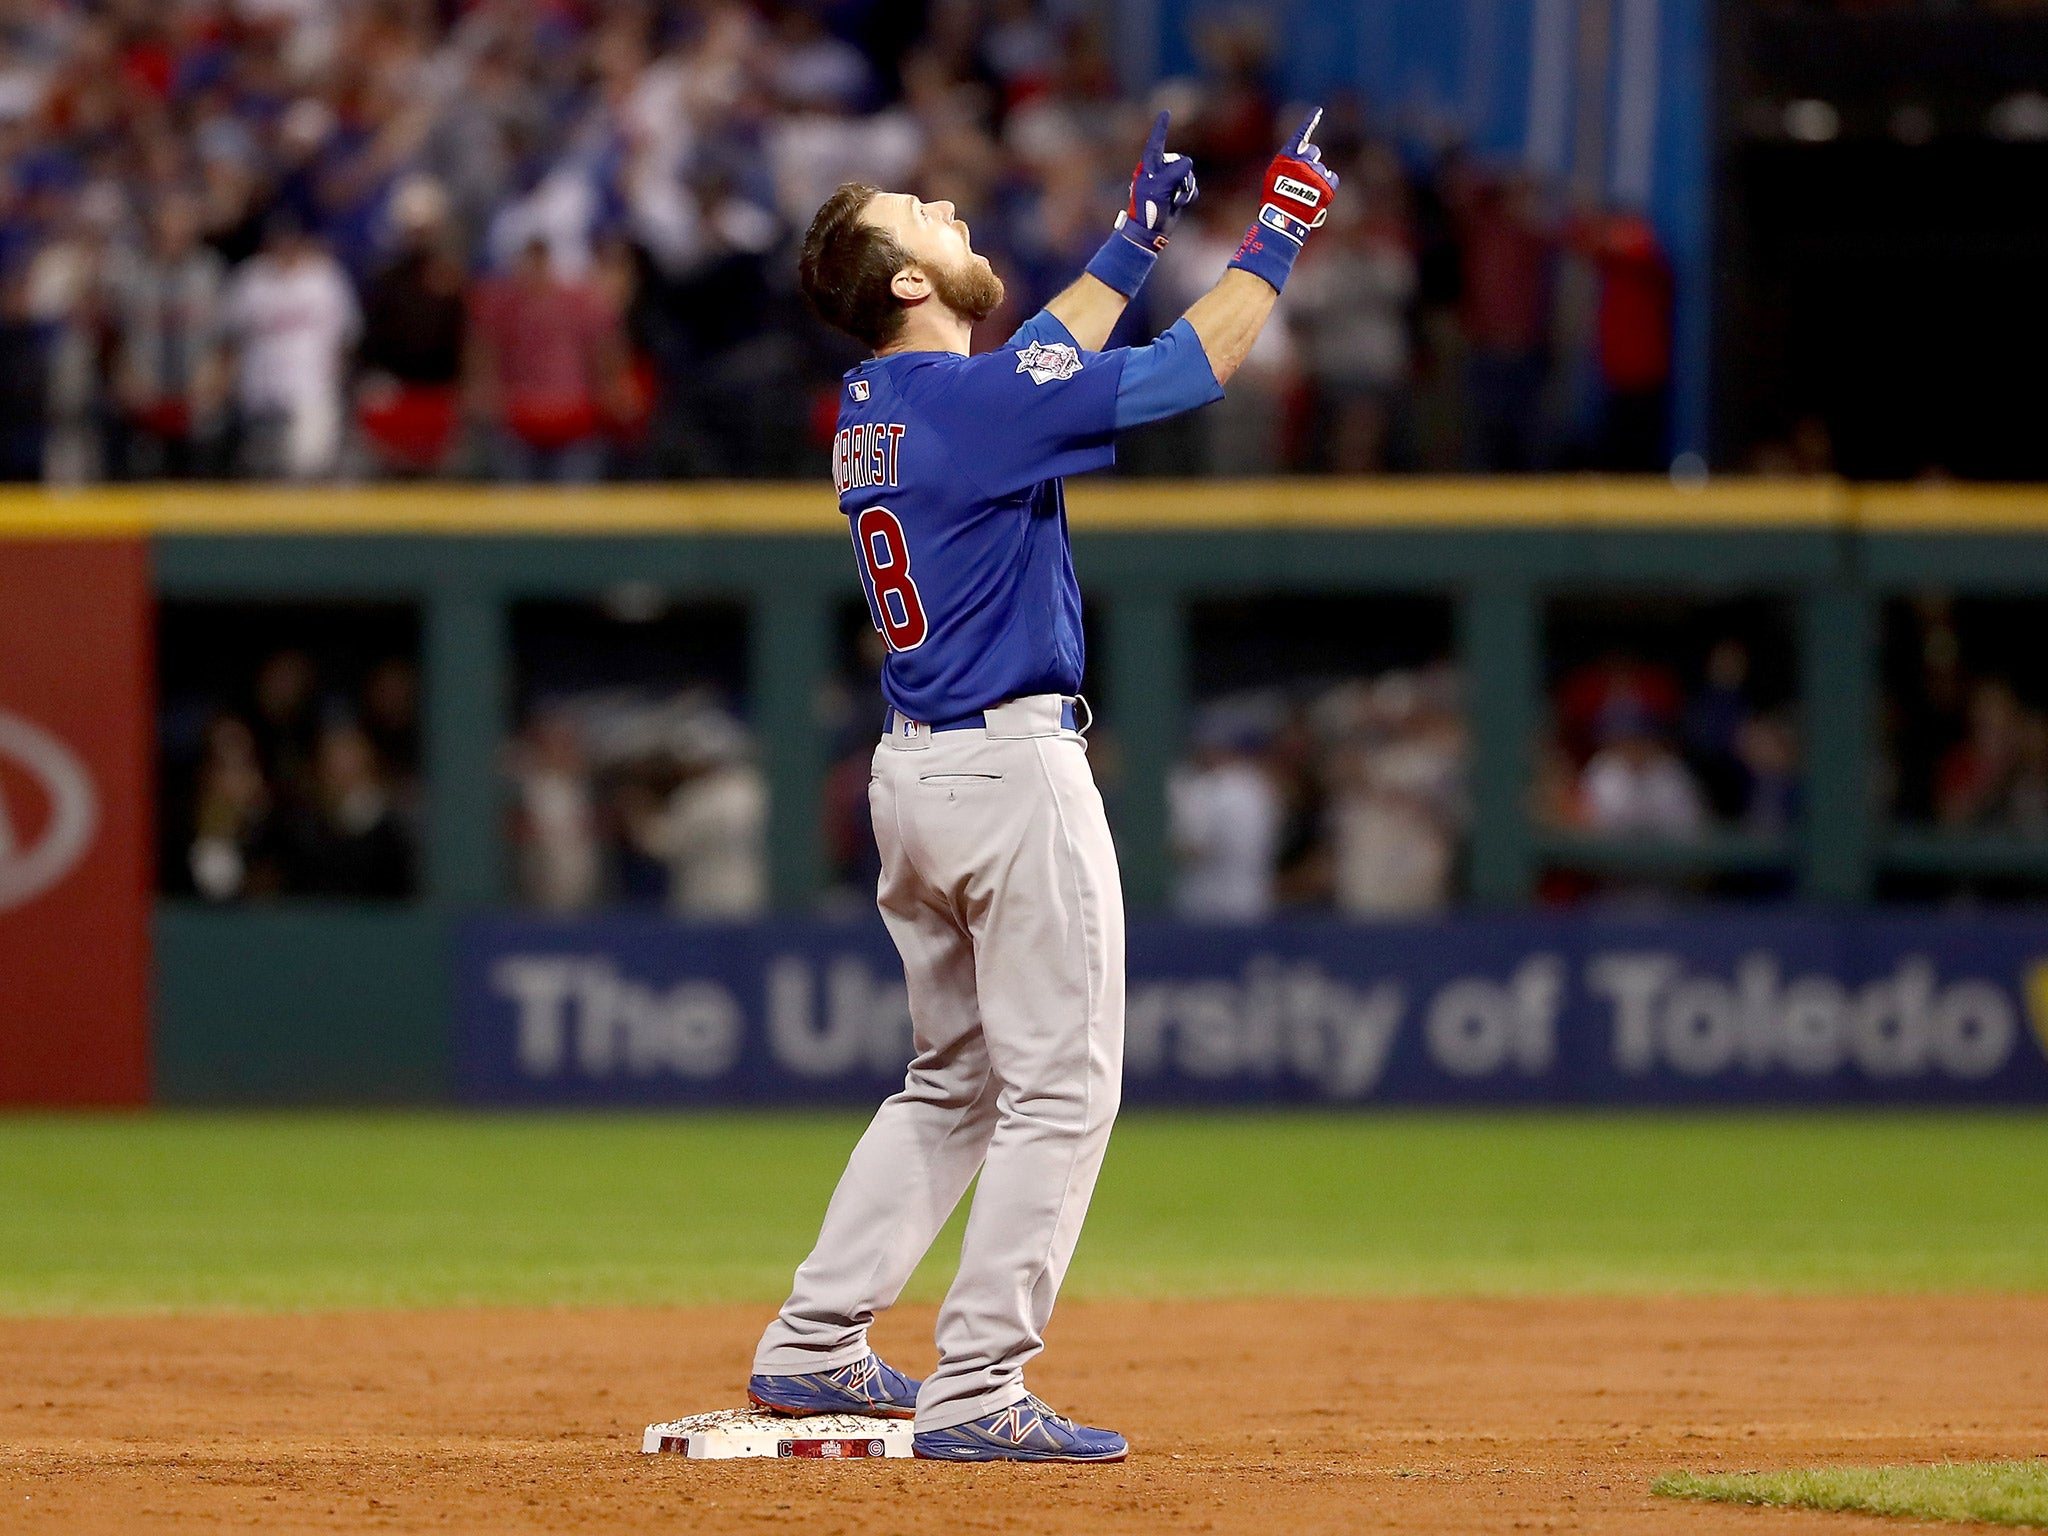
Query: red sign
[(75, 821)]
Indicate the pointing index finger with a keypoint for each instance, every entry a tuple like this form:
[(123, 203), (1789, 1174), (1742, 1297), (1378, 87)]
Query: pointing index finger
[(1155, 145), (1308, 129)]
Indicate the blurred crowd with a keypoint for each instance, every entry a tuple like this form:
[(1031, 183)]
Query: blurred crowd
[(629, 797), (291, 783), (1633, 753), (298, 772), (1349, 797), (1426, 328), (550, 239), (1966, 751)]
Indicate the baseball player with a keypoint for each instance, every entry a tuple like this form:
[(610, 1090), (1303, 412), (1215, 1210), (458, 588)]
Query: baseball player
[(999, 881)]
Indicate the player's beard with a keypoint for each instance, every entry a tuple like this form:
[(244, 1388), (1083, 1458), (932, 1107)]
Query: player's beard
[(971, 290)]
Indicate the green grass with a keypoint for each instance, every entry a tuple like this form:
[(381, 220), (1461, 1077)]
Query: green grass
[(1995, 1492), (285, 1211)]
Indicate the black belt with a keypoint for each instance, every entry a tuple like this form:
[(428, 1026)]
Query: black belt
[(976, 722)]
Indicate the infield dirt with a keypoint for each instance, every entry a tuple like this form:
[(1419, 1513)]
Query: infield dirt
[(1283, 1417)]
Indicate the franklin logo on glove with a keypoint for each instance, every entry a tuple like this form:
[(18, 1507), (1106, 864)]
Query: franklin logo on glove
[(1297, 177), (1300, 191)]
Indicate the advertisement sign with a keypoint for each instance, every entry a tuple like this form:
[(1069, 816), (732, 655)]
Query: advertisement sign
[(75, 838), (1532, 1010)]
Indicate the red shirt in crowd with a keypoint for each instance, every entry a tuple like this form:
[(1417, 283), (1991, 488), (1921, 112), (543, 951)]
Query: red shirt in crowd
[(1612, 685), (546, 342), (1506, 272), (1635, 302)]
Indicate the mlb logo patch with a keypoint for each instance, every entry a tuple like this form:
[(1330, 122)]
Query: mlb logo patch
[(1046, 361), (858, 389), (1281, 222)]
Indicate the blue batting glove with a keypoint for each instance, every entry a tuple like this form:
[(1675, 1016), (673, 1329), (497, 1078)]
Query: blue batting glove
[(1162, 187), (1299, 188)]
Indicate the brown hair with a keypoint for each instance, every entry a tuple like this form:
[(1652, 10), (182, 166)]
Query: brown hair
[(847, 265)]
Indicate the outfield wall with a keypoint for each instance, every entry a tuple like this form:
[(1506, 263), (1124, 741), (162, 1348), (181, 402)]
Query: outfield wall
[(1474, 1011), (299, 1002)]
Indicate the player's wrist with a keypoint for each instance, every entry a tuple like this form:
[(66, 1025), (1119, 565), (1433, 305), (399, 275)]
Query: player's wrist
[(1126, 259), (1297, 202), (1267, 255)]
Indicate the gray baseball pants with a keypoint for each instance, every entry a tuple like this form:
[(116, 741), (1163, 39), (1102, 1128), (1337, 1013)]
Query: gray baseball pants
[(999, 885)]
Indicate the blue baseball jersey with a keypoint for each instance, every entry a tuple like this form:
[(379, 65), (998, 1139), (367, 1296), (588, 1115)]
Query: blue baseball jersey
[(948, 470)]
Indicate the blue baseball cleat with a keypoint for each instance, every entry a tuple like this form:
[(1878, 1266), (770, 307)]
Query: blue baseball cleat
[(1026, 1431), (866, 1386)]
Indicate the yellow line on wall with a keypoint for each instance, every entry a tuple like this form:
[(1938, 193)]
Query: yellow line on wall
[(1938, 508), (1096, 506), (455, 510), (1461, 503)]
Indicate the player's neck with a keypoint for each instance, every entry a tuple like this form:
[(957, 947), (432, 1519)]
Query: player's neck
[(931, 327)]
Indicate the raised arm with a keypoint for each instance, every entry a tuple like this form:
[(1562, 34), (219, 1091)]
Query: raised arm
[(1229, 317), (1089, 308), (1187, 367), (1162, 187)]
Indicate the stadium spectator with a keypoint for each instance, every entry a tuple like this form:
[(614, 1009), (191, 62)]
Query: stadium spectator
[(170, 377), (710, 828), (415, 321), (1617, 682), (1397, 802), (345, 839), (24, 386), (1635, 785), (1437, 384), (1225, 818), (560, 865), (1928, 696), (545, 367), (65, 296), (230, 853), (1508, 253), (1716, 718), (621, 276), (1769, 748), (390, 716), (1297, 760), (286, 694), (292, 316), (1634, 338), (1996, 777)]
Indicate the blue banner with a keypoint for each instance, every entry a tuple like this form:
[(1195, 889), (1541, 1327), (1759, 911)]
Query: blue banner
[(1531, 1010)]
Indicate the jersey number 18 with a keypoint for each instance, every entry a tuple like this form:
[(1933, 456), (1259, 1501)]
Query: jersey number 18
[(892, 596)]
